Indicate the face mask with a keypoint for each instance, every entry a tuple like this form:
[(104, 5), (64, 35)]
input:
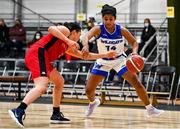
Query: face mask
[(17, 23), (146, 24), (37, 36)]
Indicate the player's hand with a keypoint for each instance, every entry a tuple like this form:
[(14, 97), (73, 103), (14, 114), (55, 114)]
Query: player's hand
[(73, 45), (133, 53), (111, 54), (85, 51)]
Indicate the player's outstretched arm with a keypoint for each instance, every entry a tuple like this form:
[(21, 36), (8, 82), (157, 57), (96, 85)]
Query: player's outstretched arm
[(62, 33), (91, 56)]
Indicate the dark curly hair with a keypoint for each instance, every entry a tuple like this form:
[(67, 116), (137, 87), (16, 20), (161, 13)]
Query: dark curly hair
[(72, 26), (107, 9)]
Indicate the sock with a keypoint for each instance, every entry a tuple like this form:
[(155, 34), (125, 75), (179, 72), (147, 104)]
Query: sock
[(148, 106), (56, 110), (92, 102), (22, 106)]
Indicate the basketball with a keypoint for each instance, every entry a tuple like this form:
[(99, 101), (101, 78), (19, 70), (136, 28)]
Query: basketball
[(135, 63)]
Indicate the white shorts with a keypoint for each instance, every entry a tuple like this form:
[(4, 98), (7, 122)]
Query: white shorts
[(104, 65)]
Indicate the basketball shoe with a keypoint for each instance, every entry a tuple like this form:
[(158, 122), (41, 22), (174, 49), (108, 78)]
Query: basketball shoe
[(154, 112), (17, 115), (58, 118), (91, 107)]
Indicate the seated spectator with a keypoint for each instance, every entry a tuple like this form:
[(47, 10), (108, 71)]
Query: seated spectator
[(91, 23), (4, 35), (38, 35), (17, 37), (147, 33), (92, 43)]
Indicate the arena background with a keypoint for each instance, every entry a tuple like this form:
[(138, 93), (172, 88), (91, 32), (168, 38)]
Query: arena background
[(163, 89)]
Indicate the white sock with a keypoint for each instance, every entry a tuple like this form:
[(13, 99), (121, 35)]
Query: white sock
[(148, 107), (92, 102)]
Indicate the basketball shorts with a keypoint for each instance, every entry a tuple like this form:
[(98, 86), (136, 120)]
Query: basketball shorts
[(104, 65), (38, 63)]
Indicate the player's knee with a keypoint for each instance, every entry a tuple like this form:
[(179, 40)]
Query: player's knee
[(59, 83), (42, 90), (135, 82), (137, 86), (62, 81), (88, 91)]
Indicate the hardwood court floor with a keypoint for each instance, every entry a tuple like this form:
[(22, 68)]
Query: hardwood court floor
[(37, 116)]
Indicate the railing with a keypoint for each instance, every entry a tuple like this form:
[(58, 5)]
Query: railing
[(122, 18)]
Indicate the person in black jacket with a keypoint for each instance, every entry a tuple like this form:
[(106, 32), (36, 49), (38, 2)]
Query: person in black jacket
[(147, 32), (4, 34)]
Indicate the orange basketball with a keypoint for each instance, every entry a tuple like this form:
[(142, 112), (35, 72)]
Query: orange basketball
[(135, 63)]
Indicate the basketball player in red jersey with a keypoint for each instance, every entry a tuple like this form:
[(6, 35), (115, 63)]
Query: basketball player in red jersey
[(38, 60)]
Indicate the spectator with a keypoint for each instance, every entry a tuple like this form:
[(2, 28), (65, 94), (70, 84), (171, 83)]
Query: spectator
[(147, 33), (17, 36), (90, 23), (92, 43), (4, 35), (38, 35)]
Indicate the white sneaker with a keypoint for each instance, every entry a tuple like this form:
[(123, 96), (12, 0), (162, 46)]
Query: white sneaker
[(91, 107), (154, 112)]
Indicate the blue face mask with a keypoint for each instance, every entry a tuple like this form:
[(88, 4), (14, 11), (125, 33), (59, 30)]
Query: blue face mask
[(146, 24)]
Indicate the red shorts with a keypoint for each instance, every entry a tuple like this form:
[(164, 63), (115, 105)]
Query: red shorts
[(37, 61)]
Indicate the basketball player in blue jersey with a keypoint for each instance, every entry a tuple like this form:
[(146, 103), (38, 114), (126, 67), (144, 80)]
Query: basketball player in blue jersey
[(110, 36)]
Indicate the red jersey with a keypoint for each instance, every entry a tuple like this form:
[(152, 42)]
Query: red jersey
[(53, 46), (40, 55)]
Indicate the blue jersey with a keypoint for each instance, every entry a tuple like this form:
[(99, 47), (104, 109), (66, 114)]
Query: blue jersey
[(107, 42), (110, 41)]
